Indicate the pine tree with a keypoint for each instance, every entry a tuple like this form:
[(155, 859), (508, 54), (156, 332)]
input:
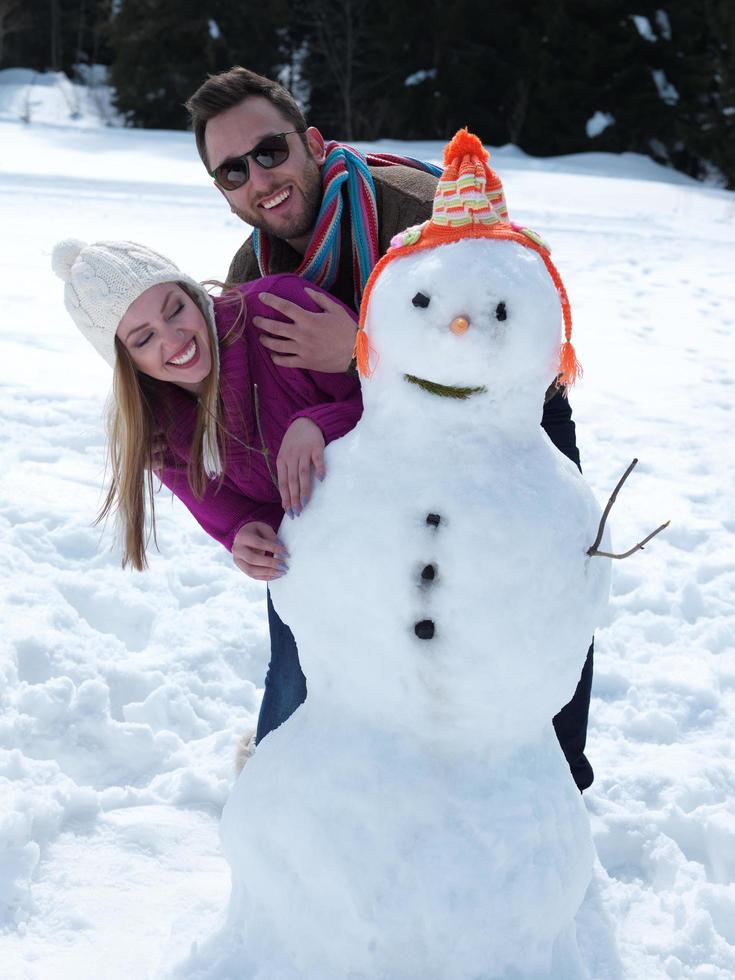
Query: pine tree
[(575, 75), (720, 124), (161, 51), (14, 20), (164, 49), (703, 43)]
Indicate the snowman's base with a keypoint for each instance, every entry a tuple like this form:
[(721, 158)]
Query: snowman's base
[(224, 956), (363, 856)]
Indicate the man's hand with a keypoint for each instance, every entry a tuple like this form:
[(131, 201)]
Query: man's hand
[(321, 341), (257, 551), (302, 447)]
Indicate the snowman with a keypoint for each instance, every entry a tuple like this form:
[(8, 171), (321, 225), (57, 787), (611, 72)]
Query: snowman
[(416, 817)]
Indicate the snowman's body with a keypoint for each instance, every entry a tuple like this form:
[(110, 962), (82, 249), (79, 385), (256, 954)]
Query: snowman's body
[(416, 817)]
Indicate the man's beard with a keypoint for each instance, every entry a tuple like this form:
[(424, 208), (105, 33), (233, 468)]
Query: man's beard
[(300, 225)]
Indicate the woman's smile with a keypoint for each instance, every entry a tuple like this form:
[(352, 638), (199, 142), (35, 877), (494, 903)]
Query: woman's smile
[(187, 356)]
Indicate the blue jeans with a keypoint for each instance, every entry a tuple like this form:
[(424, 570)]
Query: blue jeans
[(285, 684)]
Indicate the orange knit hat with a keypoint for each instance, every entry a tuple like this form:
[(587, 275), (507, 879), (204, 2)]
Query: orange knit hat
[(469, 203)]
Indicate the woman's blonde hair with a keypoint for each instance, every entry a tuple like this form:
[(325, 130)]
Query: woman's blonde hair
[(136, 443)]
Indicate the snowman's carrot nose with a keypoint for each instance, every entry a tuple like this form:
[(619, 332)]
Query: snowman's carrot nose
[(460, 325)]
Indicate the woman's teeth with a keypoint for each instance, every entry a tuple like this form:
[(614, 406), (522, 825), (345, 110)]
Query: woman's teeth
[(186, 356), (278, 199)]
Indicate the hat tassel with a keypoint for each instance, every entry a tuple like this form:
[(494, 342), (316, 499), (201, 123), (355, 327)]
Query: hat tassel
[(362, 353), (570, 370)]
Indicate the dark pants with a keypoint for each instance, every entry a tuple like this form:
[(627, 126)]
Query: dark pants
[(570, 726), (571, 722), (285, 684)]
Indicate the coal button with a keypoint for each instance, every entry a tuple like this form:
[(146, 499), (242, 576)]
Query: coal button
[(433, 519), (424, 630), (428, 573)]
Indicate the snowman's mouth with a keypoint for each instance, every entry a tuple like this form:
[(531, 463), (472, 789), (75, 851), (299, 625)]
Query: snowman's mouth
[(444, 391)]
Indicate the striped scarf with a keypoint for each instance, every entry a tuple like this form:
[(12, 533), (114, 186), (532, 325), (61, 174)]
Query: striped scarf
[(320, 263)]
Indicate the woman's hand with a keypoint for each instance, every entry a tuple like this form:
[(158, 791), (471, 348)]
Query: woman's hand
[(257, 551), (302, 448)]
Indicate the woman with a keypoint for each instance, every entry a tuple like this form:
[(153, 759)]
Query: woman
[(198, 401)]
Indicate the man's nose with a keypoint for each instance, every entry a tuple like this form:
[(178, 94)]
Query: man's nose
[(260, 179)]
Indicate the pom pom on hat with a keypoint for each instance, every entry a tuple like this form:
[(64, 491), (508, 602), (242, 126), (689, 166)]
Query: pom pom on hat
[(464, 144), (65, 255)]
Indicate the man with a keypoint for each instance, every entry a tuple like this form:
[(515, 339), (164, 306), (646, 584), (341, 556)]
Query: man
[(318, 210), (231, 114)]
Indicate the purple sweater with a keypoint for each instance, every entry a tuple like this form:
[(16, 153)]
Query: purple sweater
[(247, 492)]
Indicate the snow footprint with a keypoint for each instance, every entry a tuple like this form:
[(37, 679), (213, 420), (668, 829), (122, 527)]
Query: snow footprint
[(192, 586), (107, 611)]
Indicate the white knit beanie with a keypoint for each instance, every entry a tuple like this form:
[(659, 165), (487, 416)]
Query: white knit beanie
[(103, 279)]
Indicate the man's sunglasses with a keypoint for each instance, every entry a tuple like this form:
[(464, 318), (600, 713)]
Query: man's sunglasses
[(271, 152)]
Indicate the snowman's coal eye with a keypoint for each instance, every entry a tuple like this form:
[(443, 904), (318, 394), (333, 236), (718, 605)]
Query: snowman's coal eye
[(500, 312), (421, 300)]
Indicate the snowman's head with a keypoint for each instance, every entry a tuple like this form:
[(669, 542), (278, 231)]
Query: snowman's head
[(474, 319), (468, 306)]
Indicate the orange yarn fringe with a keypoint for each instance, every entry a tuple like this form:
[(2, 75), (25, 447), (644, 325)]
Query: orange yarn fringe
[(362, 353), (570, 370), (569, 367)]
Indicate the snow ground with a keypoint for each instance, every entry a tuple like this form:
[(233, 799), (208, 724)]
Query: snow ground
[(122, 694)]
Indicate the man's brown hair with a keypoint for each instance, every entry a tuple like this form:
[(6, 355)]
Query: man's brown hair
[(228, 89)]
